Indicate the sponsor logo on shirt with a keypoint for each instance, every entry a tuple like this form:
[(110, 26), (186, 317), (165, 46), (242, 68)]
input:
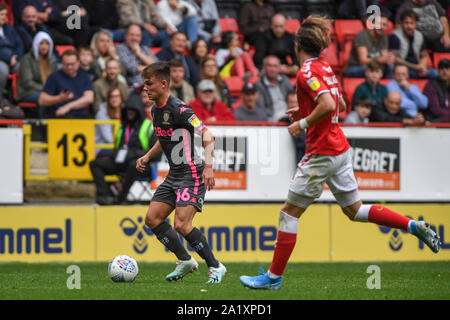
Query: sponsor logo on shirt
[(313, 83), (194, 121)]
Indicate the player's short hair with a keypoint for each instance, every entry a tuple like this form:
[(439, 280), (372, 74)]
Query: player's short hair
[(313, 35), (2, 7), (160, 70), (374, 65), (409, 14)]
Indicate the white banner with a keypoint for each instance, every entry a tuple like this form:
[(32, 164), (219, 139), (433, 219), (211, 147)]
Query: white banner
[(11, 165), (390, 164)]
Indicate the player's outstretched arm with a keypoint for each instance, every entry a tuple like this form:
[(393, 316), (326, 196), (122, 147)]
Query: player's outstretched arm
[(325, 107), (208, 145), (142, 161)]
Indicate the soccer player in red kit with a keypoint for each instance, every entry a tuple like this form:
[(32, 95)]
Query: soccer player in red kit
[(327, 157)]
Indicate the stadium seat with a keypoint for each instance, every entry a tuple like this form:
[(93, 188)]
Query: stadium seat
[(155, 50), (10, 16), (344, 53), (331, 54), (228, 24), (421, 83), (389, 28), (292, 25), (14, 77), (293, 81), (347, 29), (62, 48), (349, 87), (438, 56), (235, 85)]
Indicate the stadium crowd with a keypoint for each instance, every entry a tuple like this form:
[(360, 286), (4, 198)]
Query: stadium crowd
[(49, 68), (229, 61)]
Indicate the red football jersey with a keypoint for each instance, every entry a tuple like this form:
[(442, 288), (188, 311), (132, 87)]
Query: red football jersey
[(314, 78)]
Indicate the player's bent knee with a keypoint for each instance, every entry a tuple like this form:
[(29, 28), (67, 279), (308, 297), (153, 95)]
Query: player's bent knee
[(152, 222), (183, 227)]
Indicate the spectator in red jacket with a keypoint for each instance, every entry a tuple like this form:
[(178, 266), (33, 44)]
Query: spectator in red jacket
[(206, 107)]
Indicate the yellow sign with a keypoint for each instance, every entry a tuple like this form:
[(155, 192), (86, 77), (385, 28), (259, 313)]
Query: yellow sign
[(356, 241), (235, 233), (70, 148), (44, 234)]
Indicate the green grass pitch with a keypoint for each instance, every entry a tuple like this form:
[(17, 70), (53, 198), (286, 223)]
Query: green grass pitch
[(406, 280)]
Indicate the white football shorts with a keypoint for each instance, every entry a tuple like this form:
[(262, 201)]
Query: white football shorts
[(314, 170)]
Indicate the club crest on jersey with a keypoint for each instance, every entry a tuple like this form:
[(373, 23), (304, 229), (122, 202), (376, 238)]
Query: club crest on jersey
[(313, 83), (166, 117), (194, 121)]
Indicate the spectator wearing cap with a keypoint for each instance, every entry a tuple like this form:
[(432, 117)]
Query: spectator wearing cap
[(248, 110), (407, 44), (206, 107), (438, 93), (361, 112)]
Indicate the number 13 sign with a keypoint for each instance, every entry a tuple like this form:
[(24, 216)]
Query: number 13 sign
[(70, 148)]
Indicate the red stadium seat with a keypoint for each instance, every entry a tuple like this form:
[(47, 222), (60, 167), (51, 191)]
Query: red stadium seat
[(228, 24), (421, 83), (349, 87), (385, 82), (389, 28), (235, 85), (344, 54), (63, 48), (331, 54), (438, 56), (293, 81), (292, 25), (347, 29), (155, 50), (10, 14), (14, 77), (430, 60)]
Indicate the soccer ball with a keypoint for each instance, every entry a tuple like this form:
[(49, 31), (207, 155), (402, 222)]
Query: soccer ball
[(123, 269)]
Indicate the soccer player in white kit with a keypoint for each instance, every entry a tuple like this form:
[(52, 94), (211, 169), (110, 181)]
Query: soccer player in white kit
[(327, 157)]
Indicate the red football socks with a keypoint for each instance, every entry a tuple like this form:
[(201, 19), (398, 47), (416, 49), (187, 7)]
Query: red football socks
[(386, 217), (283, 249)]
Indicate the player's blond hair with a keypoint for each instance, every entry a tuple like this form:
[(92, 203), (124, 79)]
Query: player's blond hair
[(313, 35)]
